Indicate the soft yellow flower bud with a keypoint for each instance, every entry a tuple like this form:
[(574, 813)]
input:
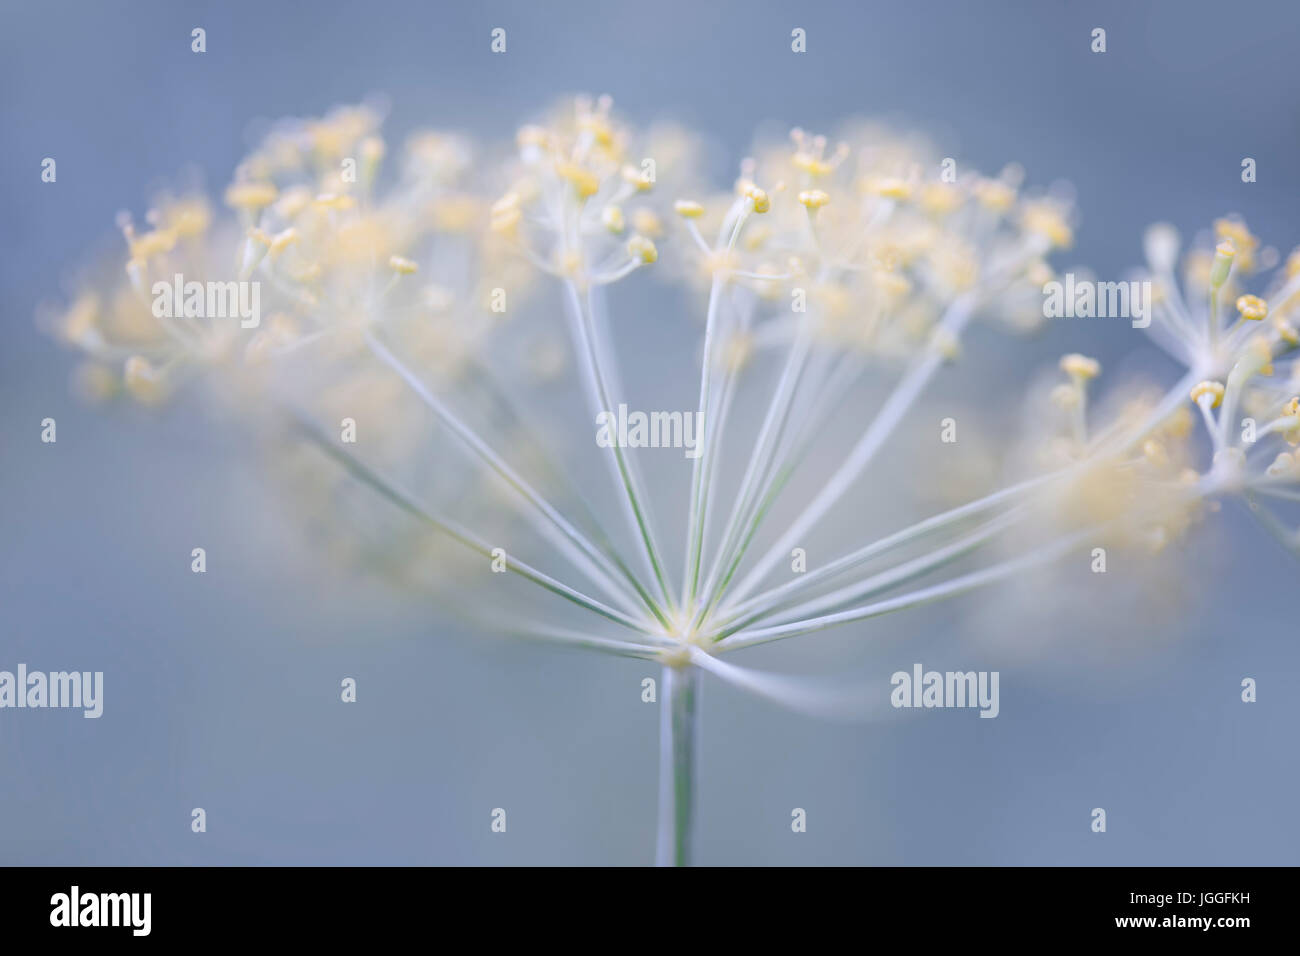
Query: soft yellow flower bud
[(585, 183), (1252, 307), (646, 222), (1245, 244), (890, 187), (1046, 219), (995, 195), (337, 201), (251, 196), (1213, 389), (639, 247), (1286, 331), (1223, 255), (283, 240), (813, 198), (812, 165), (1080, 366), (505, 221), (637, 178), (532, 136), (612, 217), (940, 198), (402, 266)]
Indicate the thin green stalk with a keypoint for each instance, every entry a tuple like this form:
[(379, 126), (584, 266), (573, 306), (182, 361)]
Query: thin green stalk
[(698, 517), (773, 428), (402, 499), (905, 393), (940, 522), (883, 581), (678, 727), (553, 524), (919, 598), (584, 330)]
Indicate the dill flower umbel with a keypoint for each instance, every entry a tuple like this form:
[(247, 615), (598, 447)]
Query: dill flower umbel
[(391, 290)]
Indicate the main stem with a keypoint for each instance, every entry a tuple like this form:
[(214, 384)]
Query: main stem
[(676, 764)]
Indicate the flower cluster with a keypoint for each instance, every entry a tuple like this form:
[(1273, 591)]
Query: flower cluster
[(391, 293)]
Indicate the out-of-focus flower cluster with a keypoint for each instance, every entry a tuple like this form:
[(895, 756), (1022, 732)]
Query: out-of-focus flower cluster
[(869, 245), (876, 236)]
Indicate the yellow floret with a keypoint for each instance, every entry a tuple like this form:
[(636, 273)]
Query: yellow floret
[(1252, 307), (1213, 389), (1080, 366)]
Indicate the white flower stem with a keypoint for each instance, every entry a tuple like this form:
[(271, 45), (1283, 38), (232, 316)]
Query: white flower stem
[(678, 691), (552, 525), (881, 582), (882, 426), (959, 585), (769, 437), (598, 396), (408, 503), (698, 515), (940, 522)]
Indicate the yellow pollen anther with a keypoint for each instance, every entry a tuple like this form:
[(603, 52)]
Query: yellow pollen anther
[(637, 178), (283, 240), (1223, 255), (1080, 366), (1252, 307), (994, 195), (646, 222), (338, 201), (505, 220), (940, 198), (402, 266), (532, 136), (1046, 219), (1292, 266), (251, 196), (152, 243), (814, 198), (1213, 389), (891, 187), (811, 164), (1244, 243), (585, 183), (639, 247), (759, 198), (612, 217), (1286, 331), (688, 209)]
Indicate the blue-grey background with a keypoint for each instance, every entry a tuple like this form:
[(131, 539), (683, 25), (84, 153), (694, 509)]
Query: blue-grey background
[(222, 689)]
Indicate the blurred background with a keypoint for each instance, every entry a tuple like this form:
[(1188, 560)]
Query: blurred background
[(222, 690)]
